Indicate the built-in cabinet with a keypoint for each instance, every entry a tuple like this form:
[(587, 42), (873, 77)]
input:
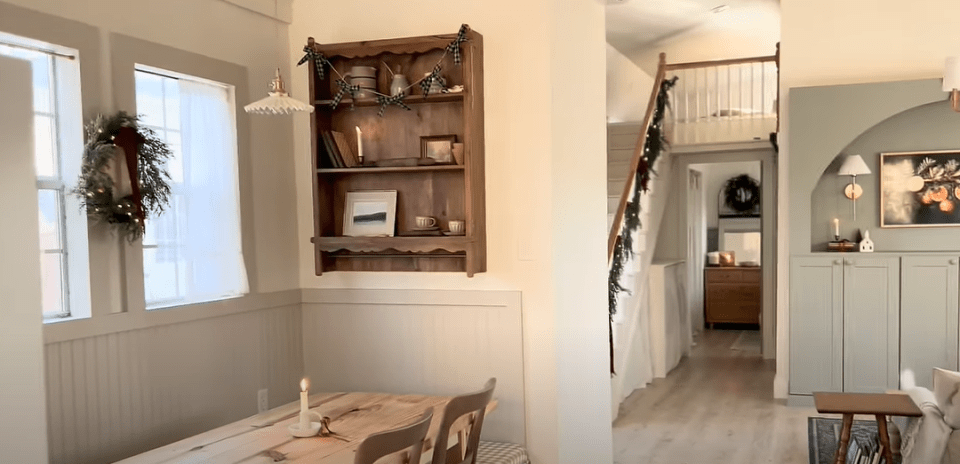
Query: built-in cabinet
[(857, 320), (928, 315)]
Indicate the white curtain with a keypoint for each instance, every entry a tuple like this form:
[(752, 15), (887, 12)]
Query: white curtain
[(210, 216)]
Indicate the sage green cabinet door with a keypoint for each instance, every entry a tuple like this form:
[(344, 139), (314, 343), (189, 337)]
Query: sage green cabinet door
[(928, 315), (871, 316), (816, 324)]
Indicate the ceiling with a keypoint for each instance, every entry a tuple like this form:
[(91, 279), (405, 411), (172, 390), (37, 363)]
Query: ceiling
[(641, 29)]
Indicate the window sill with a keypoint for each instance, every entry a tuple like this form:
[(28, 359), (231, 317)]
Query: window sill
[(124, 322)]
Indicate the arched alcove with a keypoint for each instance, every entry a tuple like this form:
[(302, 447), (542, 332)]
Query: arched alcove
[(929, 127)]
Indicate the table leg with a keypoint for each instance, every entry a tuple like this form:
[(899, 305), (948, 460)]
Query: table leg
[(841, 455), (884, 438)]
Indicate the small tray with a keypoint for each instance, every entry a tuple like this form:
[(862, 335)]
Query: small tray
[(447, 232)]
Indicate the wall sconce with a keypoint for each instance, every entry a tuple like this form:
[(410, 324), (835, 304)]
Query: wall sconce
[(853, 166), (951, 81)]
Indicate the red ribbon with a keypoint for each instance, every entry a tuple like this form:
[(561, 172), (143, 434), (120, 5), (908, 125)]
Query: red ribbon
[(129, 140)]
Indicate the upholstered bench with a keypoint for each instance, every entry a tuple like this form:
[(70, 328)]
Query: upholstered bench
[(493, 452)]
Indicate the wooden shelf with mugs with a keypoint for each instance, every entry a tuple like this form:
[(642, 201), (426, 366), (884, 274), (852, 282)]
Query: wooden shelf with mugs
[(398, 189)]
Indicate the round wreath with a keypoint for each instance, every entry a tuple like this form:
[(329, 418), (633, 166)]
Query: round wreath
[(97, 189), (741, 193)]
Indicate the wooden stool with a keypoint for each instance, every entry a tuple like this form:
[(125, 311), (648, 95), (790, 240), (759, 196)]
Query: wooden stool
[(880, 405)]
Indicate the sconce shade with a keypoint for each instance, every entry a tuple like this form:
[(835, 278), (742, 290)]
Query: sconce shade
[(951, 74), (853, 166)]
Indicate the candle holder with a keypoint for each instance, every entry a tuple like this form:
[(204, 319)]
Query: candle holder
[(313, 430)]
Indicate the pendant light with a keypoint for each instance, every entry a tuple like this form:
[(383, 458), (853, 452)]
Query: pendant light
[(277, 100)]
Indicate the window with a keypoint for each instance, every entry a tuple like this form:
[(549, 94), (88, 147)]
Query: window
[(192, 252), (58, 146)]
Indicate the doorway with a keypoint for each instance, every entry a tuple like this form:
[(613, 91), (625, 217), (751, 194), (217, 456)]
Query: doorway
[(712, 225)]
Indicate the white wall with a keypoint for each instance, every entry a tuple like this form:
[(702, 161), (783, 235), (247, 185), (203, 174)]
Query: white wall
[(628, 88), (857, 41), (23, 431), (544, 77), (715, 176)]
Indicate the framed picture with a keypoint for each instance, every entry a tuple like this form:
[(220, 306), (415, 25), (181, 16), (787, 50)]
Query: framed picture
[(920, 189), (438, 147), (370, 213)]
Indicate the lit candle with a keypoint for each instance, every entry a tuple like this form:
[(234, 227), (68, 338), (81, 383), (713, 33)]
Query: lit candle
[(304, 405), (836, 227), (359, 145)]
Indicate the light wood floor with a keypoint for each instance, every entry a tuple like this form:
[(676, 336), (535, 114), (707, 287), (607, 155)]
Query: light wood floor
[(717, 406)]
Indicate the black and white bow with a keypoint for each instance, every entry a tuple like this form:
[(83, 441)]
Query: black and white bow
[(397, 99), (319, 61), (454, 46), (344, 88)]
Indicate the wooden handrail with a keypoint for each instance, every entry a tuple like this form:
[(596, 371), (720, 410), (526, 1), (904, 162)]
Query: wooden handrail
[(710, 64), (635, 162)]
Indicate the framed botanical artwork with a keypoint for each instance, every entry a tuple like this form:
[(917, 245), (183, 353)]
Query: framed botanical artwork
[(920, 189), (370, 213), (438, 148)]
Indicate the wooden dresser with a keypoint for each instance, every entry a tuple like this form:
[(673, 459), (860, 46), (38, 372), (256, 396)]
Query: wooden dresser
[(731, 295)]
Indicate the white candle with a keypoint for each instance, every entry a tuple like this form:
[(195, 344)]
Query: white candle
[(836, 227), (304, 405), (359, 145)]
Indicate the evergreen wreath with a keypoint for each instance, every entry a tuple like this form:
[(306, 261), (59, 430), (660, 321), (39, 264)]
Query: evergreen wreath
[(97, 189), (654, 146), (741, 193)]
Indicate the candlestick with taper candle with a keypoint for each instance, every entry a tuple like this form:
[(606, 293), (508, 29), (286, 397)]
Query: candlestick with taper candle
[(836, 228), (304, 405), (359, 145)]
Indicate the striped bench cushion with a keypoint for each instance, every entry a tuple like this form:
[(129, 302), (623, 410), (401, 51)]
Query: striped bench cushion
[(493, 452)]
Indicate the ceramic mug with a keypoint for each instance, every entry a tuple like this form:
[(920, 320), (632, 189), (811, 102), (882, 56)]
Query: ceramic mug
[(424, 222), (457, 227)]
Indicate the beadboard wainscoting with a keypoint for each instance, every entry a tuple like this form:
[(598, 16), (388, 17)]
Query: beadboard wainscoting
[(419, 341), (117, 394)]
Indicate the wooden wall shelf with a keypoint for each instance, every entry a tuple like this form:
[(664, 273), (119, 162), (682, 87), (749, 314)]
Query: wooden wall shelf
[(446, 192), (324, 105), (381, 170)]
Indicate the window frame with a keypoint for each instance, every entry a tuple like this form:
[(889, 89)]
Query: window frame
[(65, 113)]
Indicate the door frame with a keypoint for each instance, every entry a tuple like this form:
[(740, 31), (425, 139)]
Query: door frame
[(686, 155)]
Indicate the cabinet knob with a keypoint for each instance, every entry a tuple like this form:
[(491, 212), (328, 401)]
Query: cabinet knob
[(953, 261), (837, 262), (848, 261)]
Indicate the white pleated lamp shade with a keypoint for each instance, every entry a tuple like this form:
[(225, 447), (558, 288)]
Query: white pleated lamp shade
[(277, 101), (951, 74), (853, 166)]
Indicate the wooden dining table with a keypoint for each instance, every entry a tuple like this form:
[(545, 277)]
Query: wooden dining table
[(264, 438)]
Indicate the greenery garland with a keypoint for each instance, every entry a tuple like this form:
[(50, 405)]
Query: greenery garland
[(654, 145), (96, 188)]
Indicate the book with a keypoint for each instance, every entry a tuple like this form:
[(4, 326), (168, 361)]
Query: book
[(332, 152), (346, 153)]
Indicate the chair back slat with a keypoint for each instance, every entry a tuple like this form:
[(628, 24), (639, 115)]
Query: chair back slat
[(409, 438), (474, 404)]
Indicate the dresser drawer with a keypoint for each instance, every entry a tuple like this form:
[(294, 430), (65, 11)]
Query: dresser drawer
[(721, 275)]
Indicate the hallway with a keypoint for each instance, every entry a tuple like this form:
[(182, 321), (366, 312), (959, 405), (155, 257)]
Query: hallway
[(717, 406)]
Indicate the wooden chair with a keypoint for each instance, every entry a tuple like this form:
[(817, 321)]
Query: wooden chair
[(473, 405), (408, 438)]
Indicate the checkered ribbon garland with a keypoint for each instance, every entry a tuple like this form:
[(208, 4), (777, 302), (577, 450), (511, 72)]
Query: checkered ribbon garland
[(344, 88), (454, 46), (430, 79), (397, 99), (319, 61)]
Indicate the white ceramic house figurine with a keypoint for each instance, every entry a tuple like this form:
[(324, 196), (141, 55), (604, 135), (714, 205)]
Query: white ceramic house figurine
[(866, 245)]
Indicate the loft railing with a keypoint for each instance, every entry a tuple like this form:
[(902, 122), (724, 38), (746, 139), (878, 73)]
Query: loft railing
[(707, 91)]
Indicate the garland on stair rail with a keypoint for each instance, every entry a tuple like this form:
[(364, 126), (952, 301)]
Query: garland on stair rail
[(653, 147)]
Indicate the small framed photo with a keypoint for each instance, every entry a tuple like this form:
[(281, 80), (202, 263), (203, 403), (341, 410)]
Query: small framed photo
[(438, 148), (370, 213)]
